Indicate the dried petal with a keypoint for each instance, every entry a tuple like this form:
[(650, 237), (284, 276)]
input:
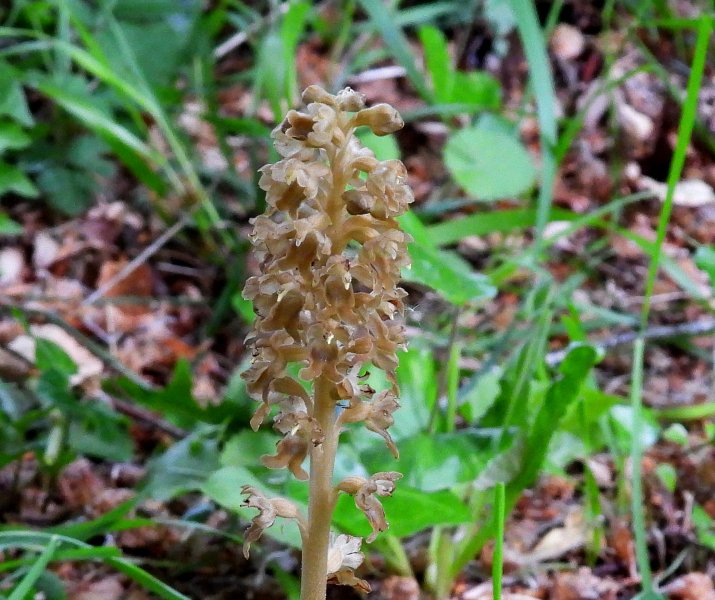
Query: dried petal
[(377, 415), (290, 452), (343, 557), (269, 509), (364, 492)]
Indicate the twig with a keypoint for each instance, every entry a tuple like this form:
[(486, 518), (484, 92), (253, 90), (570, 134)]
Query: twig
[(693, 328), (239, 38), (114, 300), (148, 417), (378, 74), (136, 262)]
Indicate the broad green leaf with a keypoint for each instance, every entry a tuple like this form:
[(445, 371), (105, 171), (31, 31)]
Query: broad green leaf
[(481, 395), (14, 180), (447, 273), (102, 433), (408, 511), (668, 476), (441, 270), (504, 467), (49, 355), (70, 191), (12, 99), (432, 462), (489, 165), (177, 403), (704, 527), (417, 376), (13, 137), (183, 468), (223, 487)]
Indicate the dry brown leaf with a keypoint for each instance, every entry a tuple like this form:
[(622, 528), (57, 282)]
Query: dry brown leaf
[(400, 588), (109, 588), (561, 540), (693, 586), (12, 264), (79, 484), (583, 585)]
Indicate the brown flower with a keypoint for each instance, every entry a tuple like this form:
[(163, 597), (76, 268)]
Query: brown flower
[(376, 414), (364, 492), (268, 510), (327, 299)]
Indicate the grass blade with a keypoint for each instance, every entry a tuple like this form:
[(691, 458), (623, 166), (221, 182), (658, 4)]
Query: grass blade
[(498, 560), (28, 581), (397, 43), (685, 130), (543, 85)]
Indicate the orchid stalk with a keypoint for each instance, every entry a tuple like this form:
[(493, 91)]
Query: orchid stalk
[(327, 300)]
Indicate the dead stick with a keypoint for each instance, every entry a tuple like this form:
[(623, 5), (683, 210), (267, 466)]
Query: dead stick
[(141, 258), (693, 328)]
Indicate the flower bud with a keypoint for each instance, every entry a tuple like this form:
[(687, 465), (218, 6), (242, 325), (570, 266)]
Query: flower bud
[(382, 119)]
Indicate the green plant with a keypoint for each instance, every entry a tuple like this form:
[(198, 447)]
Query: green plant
[(327, 300)]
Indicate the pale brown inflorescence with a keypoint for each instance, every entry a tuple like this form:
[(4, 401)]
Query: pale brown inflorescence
[(327, 297)]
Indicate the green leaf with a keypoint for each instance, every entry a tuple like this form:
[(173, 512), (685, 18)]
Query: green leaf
[(8, 226), (432, 462), (417, 377), (668, 476), (223, 487), (26, 586), (13, 137), (704, 527), (705, 260), (160, 33), (177, 403), (292, 29), (271, 70), (441, 270), (447, 273), (93, 118), (183, 468), (384, 146), (476, 88), (438, 63), (489, 165), (49, 355), (67, 190), (14, 180), (481, 395), (573, 371), (12, 99), (102, 433)]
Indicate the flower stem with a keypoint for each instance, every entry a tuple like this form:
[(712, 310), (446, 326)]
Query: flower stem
[(322, 501)]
